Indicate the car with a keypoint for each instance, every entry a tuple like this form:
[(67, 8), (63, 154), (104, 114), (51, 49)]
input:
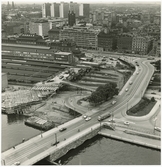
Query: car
[(88, 118), (137, 73), (62, 129), (130, 83), (17, 163), (158, 129), (126, 123), (61, 77), (113, 102), (126, 89), (84, 116)]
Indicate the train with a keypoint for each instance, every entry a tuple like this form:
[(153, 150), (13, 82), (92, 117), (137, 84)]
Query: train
[(103, 116)]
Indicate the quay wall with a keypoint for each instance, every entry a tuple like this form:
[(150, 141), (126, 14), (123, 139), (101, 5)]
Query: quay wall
[(129, 140), (73, 143)]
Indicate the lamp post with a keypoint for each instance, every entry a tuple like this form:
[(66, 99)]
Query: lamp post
[(56, 138), (127, 105), (155, 124)]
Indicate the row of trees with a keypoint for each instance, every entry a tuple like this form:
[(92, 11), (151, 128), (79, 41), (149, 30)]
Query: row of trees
[(103, 93)]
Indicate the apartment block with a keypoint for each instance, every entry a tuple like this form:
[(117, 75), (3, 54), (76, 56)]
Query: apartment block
[(83, 38), (141, 45)]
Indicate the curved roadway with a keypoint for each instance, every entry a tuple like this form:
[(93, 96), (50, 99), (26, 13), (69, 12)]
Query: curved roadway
[(27, 153)]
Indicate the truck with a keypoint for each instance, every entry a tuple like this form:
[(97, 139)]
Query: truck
[(103, 116)]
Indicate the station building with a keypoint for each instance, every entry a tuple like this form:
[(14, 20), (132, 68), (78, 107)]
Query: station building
[(33, 47)]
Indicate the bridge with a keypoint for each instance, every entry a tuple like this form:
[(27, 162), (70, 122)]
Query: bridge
[(53, 144)]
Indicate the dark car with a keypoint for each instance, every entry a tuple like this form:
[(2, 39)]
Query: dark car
[(62, 129)]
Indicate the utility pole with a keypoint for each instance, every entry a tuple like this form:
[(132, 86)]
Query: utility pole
[(56, 138)]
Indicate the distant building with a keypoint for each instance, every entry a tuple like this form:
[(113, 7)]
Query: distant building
[(157, 48), (46, 10), (157, 19), (54, 23), (39, 27), (55, 10), (12, 28), (31, 46), (64, 9), (124, 43), (107, 41), (141, 45), (84, 38), (63, 45), (4, 81), (13, 6), (84, 10), (54, 34), (71, 18), (75, 8)]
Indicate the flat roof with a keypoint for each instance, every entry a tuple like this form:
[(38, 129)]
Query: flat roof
[(62, 53), (26, 46)]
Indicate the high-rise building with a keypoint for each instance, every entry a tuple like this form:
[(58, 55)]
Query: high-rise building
[(8, 5), (55, 10), (13, 6), (71, 6), (46, 10), (64, 9), (39, 27), (84, 10), (71, 18), (75, 8)]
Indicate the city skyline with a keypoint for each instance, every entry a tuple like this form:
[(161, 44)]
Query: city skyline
[(90, 1)]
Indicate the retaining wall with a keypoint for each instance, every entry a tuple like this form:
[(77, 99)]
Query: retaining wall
[(73, 143)]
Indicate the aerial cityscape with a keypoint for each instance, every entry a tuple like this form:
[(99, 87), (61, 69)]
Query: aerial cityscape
[(81, 83)]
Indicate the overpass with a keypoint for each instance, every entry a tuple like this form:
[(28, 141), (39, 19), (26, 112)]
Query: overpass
[(77, 85), (47, 146)]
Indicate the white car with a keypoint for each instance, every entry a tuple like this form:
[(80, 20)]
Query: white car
[(17, 163), (126, 89), (137, 73), (158, 129), (88, 118), (113, 102), (84, 116), (126, 123)]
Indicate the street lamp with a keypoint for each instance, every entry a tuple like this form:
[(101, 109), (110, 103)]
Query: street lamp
[(155, 124), (112, 117), (56, 138), (127, 105)]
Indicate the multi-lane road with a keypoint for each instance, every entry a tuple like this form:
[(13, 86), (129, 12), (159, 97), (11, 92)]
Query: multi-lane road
[(28, 152)]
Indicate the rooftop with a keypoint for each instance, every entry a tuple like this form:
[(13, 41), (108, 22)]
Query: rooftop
[(62, 53)]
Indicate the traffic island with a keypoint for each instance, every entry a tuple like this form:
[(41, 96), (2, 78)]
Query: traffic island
[(142, 108)]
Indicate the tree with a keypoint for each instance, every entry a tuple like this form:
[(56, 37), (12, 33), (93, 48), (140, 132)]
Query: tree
[(103, 93), (153, 99)]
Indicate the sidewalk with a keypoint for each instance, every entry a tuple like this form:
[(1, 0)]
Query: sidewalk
[(136, 139)]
